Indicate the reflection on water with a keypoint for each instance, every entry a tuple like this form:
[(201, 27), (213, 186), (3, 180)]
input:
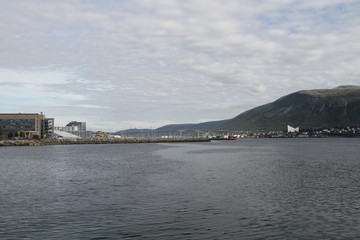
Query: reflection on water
[(246, 189)]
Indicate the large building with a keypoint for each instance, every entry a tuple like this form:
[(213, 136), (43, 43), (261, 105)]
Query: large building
[(292, 129), (76, 128), (49, 126), (30, 125), (81, 126)]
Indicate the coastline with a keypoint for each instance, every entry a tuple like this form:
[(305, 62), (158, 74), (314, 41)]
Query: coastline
[(50, 142)]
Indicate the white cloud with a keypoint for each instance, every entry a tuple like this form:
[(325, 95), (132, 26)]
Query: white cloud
[(154, 59), (37, 77), (91, 106), (22, 88)]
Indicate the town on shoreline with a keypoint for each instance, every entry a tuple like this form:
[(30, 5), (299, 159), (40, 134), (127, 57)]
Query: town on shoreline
[(124, 140), (33, 129)]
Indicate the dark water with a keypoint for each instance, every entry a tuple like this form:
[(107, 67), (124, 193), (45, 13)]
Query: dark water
[(246, 189)]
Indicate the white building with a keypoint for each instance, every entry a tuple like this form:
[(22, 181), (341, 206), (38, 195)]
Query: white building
[(292, 129)]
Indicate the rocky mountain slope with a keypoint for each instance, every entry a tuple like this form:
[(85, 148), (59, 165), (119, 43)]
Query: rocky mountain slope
[(307, 109)]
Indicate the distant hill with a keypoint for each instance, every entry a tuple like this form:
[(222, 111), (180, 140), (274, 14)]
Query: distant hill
[(337, 107), (132, 130), (307, 109), (176, 127), (193, 126)]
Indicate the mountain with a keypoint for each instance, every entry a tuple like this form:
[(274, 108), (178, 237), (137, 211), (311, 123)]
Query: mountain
[(132, 130), (337, 107), (193, 126), (305, 109)]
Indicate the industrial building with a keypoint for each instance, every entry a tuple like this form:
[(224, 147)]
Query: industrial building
[(76, 128), (80, 125), (79, 129), (29, 125)]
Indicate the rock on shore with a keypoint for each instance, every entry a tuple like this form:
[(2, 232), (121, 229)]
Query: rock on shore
[(45, 142)]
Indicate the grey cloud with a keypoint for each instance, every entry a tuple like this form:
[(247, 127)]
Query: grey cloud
[(162, 58)]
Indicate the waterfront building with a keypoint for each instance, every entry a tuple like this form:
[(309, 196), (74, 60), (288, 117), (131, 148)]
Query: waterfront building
[(67, 129), (29, 125), (76, 128), (292, 129), (49, 126), (80, 125)]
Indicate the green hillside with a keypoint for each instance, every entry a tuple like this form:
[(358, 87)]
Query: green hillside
[(307, 109), (193, 126)]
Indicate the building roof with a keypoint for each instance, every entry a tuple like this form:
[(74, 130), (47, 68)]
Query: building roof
[(65, 134), (75, 123), (20, 114)]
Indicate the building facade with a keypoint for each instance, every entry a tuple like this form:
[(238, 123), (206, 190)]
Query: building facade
[(78, 129), (49, 126), (81, 126), (30, 125)]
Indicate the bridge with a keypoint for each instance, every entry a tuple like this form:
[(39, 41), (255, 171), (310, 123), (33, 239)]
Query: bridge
[(181, 133)]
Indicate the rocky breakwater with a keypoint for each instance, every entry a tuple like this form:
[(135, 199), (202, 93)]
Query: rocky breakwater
[(8, 143), (45, 142)]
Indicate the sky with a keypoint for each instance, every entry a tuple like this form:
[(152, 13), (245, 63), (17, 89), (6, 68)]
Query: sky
[(147, 63)]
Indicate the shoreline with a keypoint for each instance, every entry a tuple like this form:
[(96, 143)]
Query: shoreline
[(51, 142)]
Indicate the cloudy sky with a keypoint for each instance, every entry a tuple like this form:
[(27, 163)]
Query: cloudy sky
[(146, 63)]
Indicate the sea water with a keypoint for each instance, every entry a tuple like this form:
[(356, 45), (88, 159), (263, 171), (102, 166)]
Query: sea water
[(243, 189)]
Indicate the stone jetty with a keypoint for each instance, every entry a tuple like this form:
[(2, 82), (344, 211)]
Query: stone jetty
[(46, 142)]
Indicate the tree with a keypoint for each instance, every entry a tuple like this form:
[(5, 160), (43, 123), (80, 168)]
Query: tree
[(10, 135)]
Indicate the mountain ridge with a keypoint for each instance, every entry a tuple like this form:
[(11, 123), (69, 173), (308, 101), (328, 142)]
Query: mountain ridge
[(193, 126), (339, 106), (316, 108)]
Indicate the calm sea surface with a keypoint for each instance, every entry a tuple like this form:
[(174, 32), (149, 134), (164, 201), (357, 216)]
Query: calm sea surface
[(245, 189)]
